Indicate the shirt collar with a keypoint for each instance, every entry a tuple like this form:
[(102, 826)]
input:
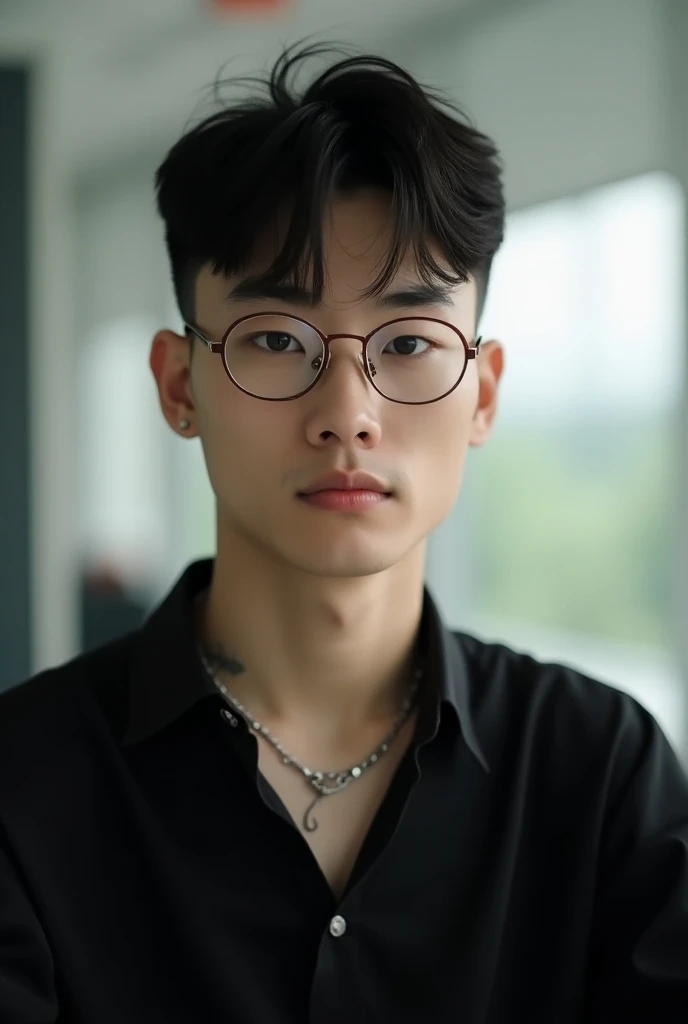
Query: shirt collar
[(168, 678)]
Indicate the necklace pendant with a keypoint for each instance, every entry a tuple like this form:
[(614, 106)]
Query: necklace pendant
[(310, 825)]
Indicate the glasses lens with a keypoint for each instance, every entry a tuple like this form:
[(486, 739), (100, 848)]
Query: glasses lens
[(273, 356), (416, 360)]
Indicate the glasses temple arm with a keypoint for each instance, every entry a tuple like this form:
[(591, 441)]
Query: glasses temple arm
[(189, 329)]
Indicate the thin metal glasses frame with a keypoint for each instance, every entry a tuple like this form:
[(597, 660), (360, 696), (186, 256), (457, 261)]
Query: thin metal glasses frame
[(219, 347)]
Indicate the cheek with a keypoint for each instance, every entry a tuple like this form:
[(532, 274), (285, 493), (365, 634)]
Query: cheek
[(441, 435), (224, 412), (440, 443), (243, 439)]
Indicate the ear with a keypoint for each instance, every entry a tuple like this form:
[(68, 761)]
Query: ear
[(170, 363), (490, 363)]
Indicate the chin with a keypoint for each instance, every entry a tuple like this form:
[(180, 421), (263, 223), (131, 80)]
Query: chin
[(346, 570), (348, 557)]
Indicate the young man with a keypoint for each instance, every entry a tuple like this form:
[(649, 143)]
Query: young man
[(295, 795)]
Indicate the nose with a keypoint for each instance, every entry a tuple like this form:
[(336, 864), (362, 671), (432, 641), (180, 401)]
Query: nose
[(345, 406)]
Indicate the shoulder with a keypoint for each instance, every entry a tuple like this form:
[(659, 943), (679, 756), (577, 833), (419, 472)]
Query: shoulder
[(65, 704), (556, 715), (522, 676)]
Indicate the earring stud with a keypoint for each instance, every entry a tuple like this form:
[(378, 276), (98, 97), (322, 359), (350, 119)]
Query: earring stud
[(184, 424)]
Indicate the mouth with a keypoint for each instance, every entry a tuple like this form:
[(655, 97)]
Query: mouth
[(349, 500)]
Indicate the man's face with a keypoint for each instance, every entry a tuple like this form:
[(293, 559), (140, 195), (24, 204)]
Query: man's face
[(261, 454)]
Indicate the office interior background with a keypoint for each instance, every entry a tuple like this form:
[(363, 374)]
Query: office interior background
[(570, 536)]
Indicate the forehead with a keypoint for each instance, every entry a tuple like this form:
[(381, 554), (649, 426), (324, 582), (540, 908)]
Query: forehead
[(357, 238), (356, 229)]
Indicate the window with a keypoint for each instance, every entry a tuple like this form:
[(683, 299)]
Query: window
[(569, 515)]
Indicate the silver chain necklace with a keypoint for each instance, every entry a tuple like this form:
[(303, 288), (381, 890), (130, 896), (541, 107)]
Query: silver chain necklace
[(324, 783)]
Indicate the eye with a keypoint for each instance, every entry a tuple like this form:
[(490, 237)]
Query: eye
[(276, 341), (408, 345)]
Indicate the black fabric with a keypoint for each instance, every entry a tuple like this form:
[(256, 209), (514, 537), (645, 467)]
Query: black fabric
[(529, 862)]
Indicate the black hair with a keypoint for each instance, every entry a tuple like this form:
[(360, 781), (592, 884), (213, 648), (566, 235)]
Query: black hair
[(363, 122)]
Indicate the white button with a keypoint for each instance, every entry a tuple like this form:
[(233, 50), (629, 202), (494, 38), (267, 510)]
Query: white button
[(337, 926)]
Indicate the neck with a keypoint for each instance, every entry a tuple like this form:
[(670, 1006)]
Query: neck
[(332, 654)]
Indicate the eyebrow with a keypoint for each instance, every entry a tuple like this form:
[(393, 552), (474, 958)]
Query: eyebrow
[(401, 298)]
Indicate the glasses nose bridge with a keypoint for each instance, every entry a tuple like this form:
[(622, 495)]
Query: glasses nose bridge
[(327, 338)]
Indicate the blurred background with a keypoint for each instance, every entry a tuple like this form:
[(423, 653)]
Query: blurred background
[(570, 539)]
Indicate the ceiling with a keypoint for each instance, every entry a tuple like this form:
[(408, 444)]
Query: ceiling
[(126, 75)]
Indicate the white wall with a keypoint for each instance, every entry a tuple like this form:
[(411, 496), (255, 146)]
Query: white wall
[(53, 387)]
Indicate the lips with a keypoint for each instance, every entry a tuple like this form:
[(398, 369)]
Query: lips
[(339, 481)]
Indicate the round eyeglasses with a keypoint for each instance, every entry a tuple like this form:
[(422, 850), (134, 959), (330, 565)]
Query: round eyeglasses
[(276, 357)]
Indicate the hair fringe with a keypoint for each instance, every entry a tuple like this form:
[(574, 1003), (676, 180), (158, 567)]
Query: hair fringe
[(361, 122)]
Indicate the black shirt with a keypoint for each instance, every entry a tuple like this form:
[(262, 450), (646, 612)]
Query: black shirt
[(528, 865)]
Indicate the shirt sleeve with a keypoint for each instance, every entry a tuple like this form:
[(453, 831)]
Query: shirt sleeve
[(27, 993), (640, 928)]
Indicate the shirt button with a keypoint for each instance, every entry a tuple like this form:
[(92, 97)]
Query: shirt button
[(337, 926)]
